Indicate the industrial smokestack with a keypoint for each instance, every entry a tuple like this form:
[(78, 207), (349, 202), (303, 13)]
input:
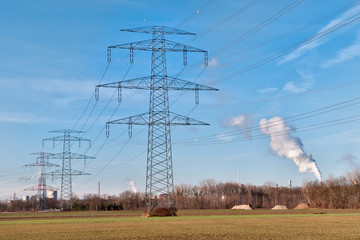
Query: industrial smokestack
[(133, 187), (287, 146)]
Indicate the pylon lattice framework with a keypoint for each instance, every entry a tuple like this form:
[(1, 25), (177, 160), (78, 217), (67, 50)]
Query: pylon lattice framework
[(66, 171), (159, 171), (42, 161)]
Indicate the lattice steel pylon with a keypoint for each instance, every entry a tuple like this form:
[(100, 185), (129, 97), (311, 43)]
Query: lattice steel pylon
[(42, 161), (159, 172), (66, 171)]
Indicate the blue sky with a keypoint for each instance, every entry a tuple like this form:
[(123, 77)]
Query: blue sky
[(53, 54)]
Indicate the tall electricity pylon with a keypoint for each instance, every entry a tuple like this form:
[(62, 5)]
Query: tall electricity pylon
[(159, 171), (42, 161), (66, 172)]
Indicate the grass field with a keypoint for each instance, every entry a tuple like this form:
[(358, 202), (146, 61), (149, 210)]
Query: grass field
[(195, 224)]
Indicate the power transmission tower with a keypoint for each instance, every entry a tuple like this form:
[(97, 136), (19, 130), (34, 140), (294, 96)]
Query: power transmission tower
[(159, 171), (42, 162), (66, 172)]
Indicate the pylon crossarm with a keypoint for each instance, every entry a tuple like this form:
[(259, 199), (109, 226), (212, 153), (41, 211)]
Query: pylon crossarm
[(42, 154), (67, 131), (27, 178), (69, 138), (167, 46), (177, 119), (39, 164), (71, 156), (158, 30), (136, 83), (142, 119), (73, 172), (37, 188), (145, 84), (66, 138)]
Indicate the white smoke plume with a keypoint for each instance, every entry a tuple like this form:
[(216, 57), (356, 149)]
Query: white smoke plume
[(287, 146), (133, 187)]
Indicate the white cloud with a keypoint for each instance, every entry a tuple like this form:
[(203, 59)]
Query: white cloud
[(242, 122), (267, 90), (291, 87), (61, 92), (224, 137), (345, 54), (316, 43), (214, 62), (301, 87), (62, 86), (17, 117)]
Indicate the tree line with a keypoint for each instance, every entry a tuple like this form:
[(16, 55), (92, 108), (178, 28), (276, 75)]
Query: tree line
[(334, 193)]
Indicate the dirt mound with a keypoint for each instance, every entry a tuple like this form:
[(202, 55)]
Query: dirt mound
[(242, 207), (161, 212), (302, 206), (279, 207)]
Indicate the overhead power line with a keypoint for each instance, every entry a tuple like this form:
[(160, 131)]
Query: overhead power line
[(311, 127), (252, 31), (309, 114), (225, 20), (299, 29), (347, 22), (304, 93), (191, 16)]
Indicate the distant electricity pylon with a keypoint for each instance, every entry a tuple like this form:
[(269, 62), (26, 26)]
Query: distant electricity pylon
[(42, 161), (159, 171), (66, 172)]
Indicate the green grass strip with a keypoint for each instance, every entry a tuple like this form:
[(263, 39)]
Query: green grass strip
[(180, 218)]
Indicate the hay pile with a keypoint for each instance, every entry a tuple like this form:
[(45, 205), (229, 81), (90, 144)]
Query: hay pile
[(302, 206), (242, 207), (279, 207)]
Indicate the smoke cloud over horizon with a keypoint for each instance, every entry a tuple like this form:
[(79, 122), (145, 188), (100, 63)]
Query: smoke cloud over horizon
[(133, 186), (287, 146)]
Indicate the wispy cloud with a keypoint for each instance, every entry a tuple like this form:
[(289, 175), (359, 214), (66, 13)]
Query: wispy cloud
[(291, 87), (316, 43), (345, 54), (241, 122), (62, 86), (214, 62), (224, 137), (63, 92), (267, 90), (17, 117), (350, 160), (308, 81)]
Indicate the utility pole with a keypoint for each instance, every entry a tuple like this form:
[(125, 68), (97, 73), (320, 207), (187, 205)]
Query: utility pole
[(42, 161), (159, 172), (67, 156)]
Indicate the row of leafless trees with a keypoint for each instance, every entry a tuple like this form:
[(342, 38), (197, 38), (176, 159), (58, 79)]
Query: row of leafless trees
[(20, 205), (342, 192), (208, 195), (214, 195)]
